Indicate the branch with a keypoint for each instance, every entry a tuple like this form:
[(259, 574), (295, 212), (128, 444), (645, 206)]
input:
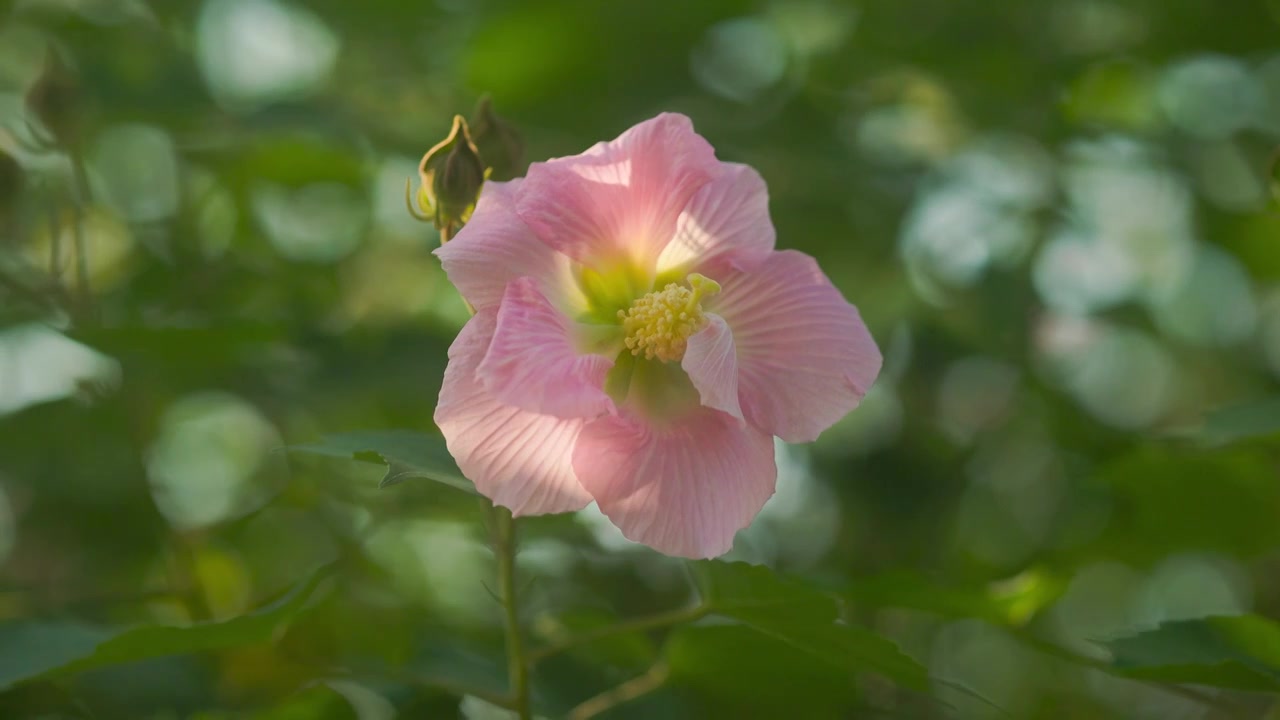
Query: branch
[(626, 692)]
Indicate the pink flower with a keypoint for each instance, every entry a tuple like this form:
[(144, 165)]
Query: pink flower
[(638, 341)]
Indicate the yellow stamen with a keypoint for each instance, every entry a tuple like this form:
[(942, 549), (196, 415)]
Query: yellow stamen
[(658, 324)]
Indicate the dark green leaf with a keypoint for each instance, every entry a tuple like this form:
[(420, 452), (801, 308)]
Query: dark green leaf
[(1177, 499), (804, 618), (756, 675), (35, 649), (407, 454), (1241, 652)]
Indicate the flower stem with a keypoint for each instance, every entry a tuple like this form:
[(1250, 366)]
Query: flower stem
[(517, 662)]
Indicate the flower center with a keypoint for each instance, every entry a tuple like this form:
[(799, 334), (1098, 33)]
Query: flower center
[(658, 324)]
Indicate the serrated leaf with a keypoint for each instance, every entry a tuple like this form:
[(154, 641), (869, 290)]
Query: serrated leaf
[(405, 453), (804, 618), (1240, 652), (1256, 420), (33, 649)]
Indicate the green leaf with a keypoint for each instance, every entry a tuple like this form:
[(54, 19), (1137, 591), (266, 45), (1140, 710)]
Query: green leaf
[(747, 674), (407, 454), (804, 618), (1008, 602), (1177, 499), (31, 649), (1240, 652), (1255, 420)]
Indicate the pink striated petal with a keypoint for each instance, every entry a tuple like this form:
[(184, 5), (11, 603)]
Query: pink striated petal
[(518, 459), (495, 247), (618, 200), (684, 489), (726, 225), (533, 364), (710, 360), (805, 358)]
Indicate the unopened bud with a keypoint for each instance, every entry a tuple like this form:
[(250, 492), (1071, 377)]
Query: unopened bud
[(55, 99), (452, 175), (500, 144)]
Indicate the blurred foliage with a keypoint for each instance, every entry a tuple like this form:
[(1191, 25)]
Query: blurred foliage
[(1059, 219)]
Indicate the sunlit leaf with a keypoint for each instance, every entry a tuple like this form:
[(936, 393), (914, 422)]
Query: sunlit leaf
[(407, 455), (1241, 652), (32, 649)]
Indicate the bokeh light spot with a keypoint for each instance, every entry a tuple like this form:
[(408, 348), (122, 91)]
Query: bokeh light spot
[(214, 458)]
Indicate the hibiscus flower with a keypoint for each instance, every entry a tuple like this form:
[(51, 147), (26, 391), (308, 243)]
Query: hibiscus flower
[(638, 341)]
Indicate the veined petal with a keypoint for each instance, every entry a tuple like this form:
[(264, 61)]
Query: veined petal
[(496, 247), (532, 362), (805, 358), (726, 225), (518, 459), (618, 202), (710, 359), (684, 489)]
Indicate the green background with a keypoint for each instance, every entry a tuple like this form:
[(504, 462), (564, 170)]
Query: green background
[(1056, 217)]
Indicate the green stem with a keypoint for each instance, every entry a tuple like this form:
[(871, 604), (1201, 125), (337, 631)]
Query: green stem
[(626, 692), (517, 662)]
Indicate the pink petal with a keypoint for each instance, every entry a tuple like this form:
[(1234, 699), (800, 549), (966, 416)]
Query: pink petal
[(684, 489), (725, 225), (518, 459), (805, 358), (495, 247), (712, 365), (532, 362), (618, 201)]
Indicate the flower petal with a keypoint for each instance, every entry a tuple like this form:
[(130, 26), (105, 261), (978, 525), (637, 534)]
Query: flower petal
[(684, 489), (712, 365), (518, 459), (726, 225), (618, 201), (805, 358), (533, 364), (495, 247)]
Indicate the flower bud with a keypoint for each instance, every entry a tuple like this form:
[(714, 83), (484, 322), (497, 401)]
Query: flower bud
[(54, 99), (499, 142), (452, 175)]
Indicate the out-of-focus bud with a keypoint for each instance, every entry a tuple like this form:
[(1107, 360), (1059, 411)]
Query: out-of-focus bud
[(500, 144), (452, 175), (54, 99)]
